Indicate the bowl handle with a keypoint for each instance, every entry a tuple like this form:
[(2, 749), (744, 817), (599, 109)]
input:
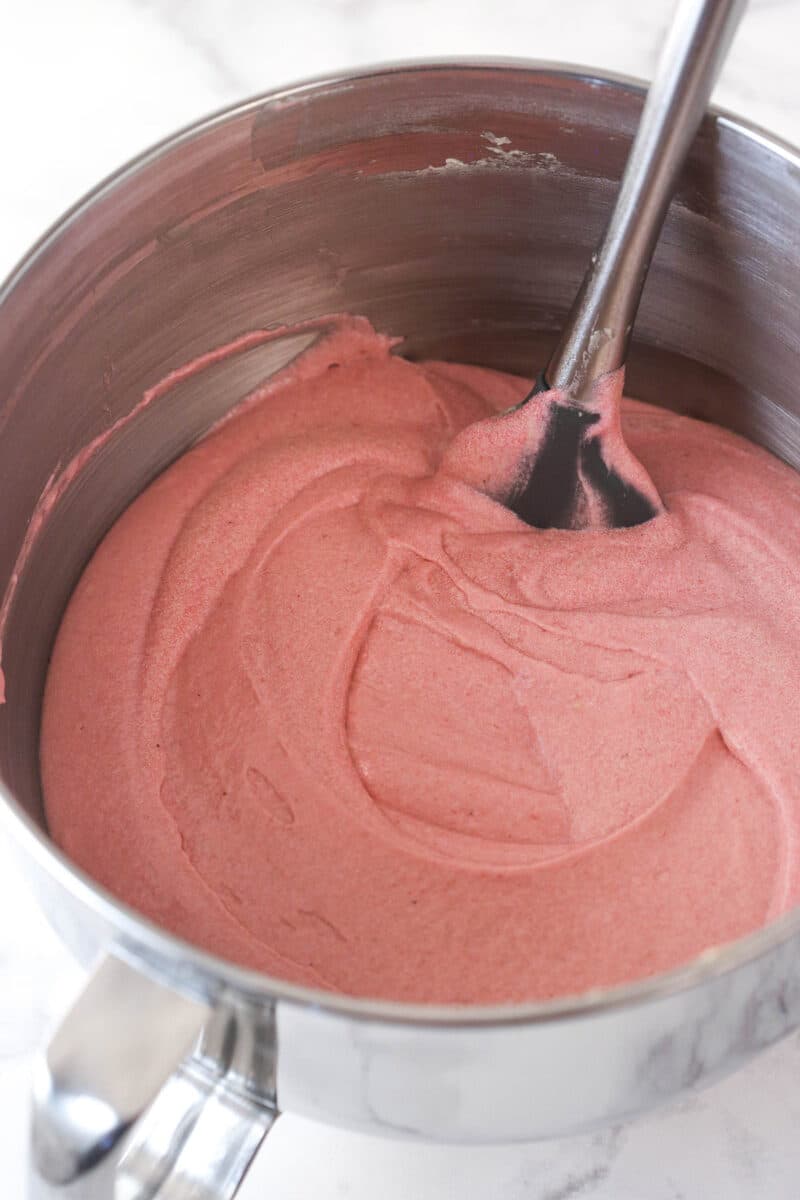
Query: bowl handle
[(144, 1092)]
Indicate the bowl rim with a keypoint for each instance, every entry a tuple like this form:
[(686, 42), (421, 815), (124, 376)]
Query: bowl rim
[(138, 933)]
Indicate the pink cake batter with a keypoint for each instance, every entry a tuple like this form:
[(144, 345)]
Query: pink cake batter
[(322, 706)]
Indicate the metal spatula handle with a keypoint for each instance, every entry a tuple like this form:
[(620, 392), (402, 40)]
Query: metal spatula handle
[(597, 331)]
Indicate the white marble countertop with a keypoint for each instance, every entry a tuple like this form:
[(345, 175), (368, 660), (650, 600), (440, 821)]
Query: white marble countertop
[(84, 86)]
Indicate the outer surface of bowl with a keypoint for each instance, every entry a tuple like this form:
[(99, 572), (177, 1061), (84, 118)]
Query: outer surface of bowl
[(455, 205)]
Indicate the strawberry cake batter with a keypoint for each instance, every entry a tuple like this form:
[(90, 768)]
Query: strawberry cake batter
[(323, 706)]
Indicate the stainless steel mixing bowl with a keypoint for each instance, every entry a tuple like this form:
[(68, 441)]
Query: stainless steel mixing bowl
[(455, 205)]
